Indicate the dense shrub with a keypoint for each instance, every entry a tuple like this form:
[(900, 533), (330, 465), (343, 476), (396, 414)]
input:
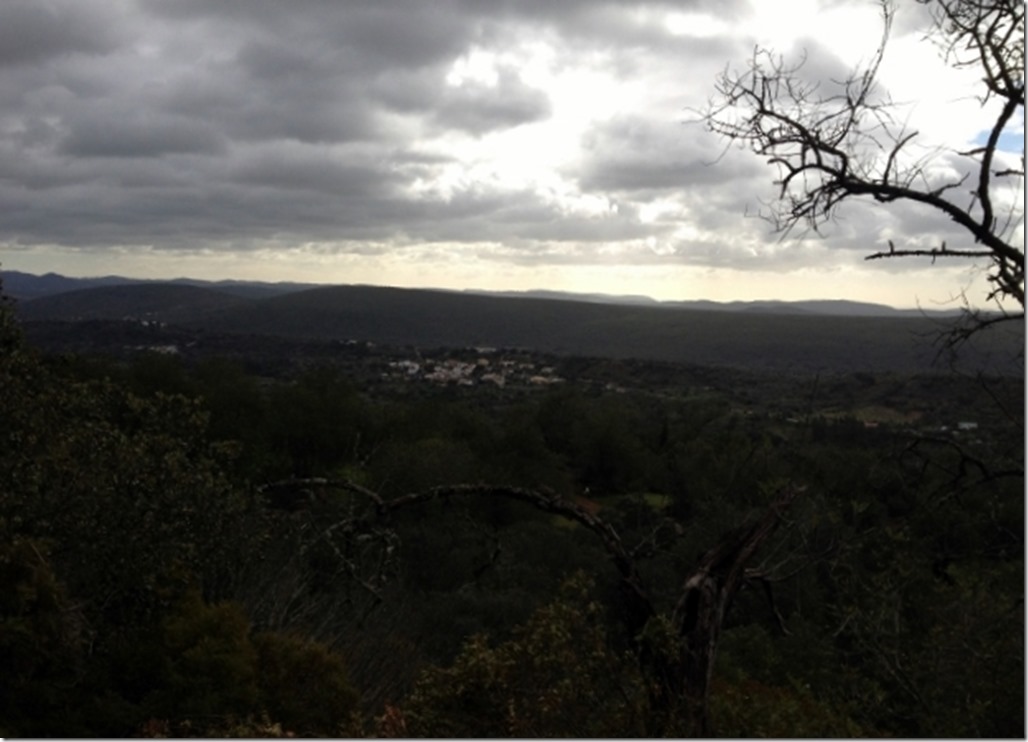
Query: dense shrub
[(303, 685), (557, 677)]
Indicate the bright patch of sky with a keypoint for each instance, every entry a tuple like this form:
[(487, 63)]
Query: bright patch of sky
[(1010, 140)]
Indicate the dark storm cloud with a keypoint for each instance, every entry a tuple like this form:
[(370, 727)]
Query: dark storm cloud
[(376, 35), (296, 168), (140, 135), (228, 124), (33, 31)]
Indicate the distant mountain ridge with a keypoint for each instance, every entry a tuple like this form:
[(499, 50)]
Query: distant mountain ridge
[(159, 302), (832, 307), (783, 338), (26, 286)]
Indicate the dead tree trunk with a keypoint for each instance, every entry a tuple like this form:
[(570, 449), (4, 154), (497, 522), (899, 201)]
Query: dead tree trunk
[(678, 652), (686, 666)]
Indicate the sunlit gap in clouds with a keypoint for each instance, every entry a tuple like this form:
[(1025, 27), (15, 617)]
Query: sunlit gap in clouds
[(533, 156)]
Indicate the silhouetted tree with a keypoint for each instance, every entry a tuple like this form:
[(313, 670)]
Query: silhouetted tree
[(832, 142)]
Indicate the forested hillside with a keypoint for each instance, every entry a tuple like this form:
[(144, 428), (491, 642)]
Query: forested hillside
[(771, 337), (198, 545)]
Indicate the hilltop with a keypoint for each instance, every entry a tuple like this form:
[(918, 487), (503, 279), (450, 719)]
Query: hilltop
[(26, 286), (807, 337)]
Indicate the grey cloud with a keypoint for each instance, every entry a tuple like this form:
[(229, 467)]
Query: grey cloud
[(621, 173), (408, 34), (407, 91), (518, 217), (587, 230), (469, 216), (818, 67), (307, 169), (244, 110), (478, 109), (38, 30), (638, 157), (303, 115), (281, 62), (912, 18), (140, 135), (274, 91), (600, 22), (217, 123), (471, 107)]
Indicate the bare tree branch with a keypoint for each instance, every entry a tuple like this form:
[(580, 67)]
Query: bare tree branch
[(697, 619), (831, 143)]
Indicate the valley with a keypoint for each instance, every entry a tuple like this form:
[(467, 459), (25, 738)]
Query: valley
[(392, 489)]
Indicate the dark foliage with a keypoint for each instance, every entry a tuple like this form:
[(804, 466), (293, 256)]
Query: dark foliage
[(153, 586)]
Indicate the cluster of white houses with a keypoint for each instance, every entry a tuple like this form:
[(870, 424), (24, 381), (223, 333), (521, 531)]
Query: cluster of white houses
[(480, 371)]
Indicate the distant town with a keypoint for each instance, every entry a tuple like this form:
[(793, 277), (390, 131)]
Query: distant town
[(483, 370)]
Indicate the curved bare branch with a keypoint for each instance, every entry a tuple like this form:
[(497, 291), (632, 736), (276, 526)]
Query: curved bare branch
[(830, 147)]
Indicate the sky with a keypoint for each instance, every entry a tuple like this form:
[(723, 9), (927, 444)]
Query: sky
[(461, 144)]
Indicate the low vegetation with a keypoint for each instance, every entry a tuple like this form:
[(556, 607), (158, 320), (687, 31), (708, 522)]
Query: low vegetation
[(230, 544), (776, 339)]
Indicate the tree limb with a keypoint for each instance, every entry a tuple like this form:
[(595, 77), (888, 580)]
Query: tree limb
[(830, 148)]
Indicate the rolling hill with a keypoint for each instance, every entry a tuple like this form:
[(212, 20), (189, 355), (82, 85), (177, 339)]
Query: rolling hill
[(26, 286), (159, 302), (800, 341)]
